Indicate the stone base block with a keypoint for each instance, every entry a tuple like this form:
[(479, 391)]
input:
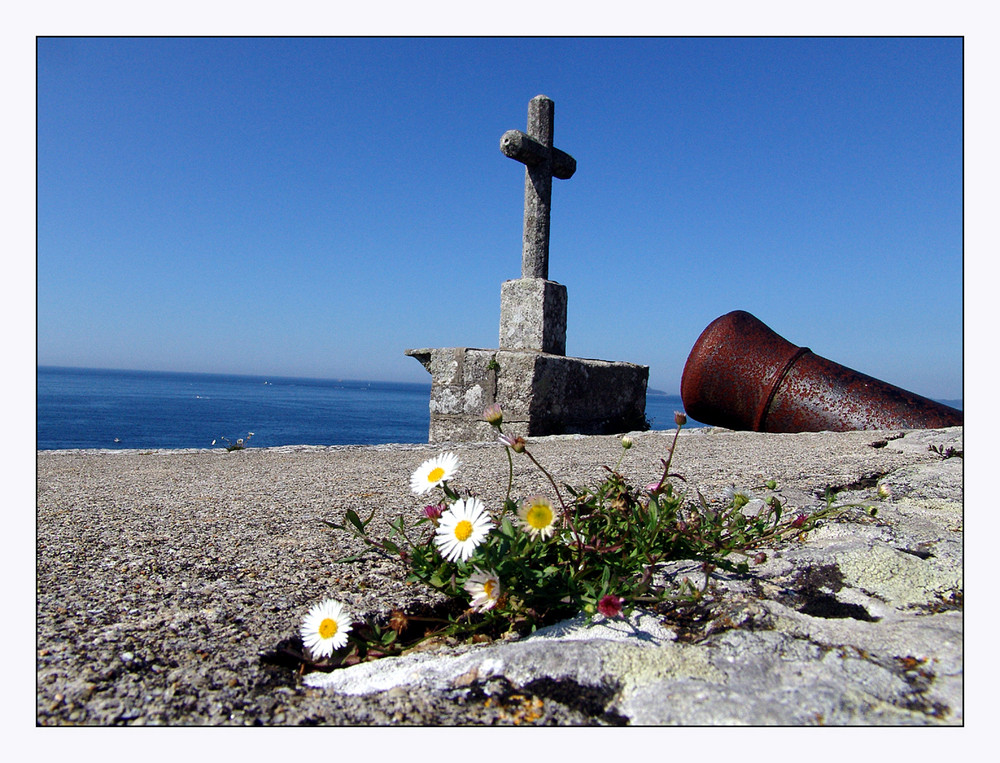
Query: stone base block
[(540, 393), (533, 315)]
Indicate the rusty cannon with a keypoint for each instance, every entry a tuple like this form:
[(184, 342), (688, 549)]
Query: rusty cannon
[(742, 375)]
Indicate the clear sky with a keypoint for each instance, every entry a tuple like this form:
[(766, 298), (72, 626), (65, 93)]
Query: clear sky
[(314, 207)]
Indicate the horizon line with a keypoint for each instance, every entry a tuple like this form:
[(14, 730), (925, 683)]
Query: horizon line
[(649, 390), (48, 366)]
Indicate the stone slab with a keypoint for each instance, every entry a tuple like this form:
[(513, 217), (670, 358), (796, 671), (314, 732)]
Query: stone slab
[(540, 393), (533, 315), (859, 623), (168, 580)]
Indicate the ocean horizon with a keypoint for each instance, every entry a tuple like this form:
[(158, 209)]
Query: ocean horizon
[(93, 408)]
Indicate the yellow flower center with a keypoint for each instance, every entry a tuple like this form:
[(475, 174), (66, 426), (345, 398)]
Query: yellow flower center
[(328, 628), (539, 516), (488, 588), (463, 529), (436, 474)]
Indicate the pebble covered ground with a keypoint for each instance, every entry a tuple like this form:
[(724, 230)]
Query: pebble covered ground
[(167, 581)]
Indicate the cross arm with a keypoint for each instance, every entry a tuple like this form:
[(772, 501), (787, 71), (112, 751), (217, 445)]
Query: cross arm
[(530, 152)]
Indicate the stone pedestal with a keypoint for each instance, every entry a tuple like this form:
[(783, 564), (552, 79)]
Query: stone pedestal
[(540, 390), (540, 393), (533, 315)]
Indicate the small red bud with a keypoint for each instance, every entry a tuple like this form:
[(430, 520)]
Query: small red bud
[(610, 605), (434, 512)]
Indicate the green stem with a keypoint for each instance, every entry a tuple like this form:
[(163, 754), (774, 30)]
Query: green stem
[(551, 480), (620, 459), (510, 473), (566, 511), (670, 457)]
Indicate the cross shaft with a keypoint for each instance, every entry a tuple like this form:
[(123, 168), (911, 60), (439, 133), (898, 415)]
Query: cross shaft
[(542, 162)]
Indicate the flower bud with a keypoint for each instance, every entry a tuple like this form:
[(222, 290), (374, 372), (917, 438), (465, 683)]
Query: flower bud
[(610, 605), (398, 620), (434, 513), (680, 419), (493, 415), (626, 442), (516, 444)]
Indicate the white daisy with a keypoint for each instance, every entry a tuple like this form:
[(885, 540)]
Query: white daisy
[(433, 472), (537, 517), (462, 528), (325, 628), (484, 588)]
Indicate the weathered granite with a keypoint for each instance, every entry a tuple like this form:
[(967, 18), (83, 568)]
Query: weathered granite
[(540, 393), (533, 315), (860, 623), (167, 582), (542, 162)]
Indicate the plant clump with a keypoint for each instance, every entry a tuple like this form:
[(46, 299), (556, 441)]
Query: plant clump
[(240, 443), (529, 562)]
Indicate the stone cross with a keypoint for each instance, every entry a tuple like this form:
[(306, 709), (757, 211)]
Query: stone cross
[(542, 391), (542, 162)]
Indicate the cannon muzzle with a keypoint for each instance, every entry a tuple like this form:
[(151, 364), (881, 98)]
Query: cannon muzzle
[(742, 375)]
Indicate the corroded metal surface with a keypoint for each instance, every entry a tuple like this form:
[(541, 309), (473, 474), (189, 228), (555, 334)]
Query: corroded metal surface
[(741, 375)]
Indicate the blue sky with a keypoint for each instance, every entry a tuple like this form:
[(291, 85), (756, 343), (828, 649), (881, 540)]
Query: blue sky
[(315, 207)]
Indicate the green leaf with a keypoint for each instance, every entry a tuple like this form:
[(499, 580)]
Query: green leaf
[(348, 559), (355, 520), (506, 528), (390, 546)]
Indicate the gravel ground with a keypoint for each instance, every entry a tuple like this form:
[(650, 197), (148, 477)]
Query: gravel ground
[(163, 577)]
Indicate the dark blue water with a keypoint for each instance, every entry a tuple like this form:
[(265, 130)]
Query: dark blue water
[(89, 408), (660, 410), (84, 408)]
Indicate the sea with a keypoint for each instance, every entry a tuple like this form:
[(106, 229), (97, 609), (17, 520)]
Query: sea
[(114, 409)]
